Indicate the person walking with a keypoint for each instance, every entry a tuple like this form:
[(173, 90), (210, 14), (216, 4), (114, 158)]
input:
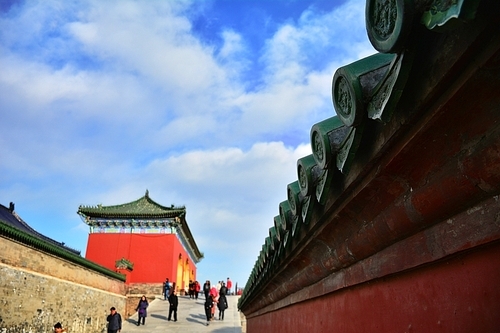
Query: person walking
[(174, 302), (197, 288), (209, 303), (229, 285), (223, 289), (166, 289), (141, 309), (114, 321), (215, 299), (218, 285), (191, 289), (206, 289), (222, 305)]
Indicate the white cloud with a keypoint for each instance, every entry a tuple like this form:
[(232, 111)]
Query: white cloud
[(153, 41), (233, 44), (101, 100)]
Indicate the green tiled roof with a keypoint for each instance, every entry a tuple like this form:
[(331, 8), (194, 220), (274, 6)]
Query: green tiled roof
[(144, 207), (146, 213)]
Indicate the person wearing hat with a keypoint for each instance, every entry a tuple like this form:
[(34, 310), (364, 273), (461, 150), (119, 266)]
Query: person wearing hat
[(114, 321)]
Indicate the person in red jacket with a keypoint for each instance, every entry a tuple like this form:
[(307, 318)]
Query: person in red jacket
[(229, 284), (197, 289)]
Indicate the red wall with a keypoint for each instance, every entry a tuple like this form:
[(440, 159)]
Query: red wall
[(155, 256), (459, 295)]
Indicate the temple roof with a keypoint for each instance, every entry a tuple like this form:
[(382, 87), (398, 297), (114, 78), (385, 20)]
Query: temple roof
[(10, 217), (146, 209), (143, 207)]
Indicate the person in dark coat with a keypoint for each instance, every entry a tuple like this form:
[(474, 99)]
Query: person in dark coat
[(142, 311), (206, 289), (173, 300), (114, 321), (222, 305), (209, 303), (191, 289), (223, 289), (166, 289)]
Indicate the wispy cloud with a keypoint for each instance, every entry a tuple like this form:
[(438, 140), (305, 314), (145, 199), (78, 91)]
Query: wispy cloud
[(101, 100)]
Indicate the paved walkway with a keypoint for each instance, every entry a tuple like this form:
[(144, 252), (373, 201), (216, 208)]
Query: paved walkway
[(190, 318)]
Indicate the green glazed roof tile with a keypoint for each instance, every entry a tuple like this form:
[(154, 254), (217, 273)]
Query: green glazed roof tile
[(144, 207)]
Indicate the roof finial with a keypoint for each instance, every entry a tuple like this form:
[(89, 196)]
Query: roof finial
[(147, 193)]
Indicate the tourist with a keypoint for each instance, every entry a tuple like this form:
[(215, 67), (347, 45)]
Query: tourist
[(58, 328), (229, 285), (218, 286), (114, 321), (142, 311), (222, 305), (214, 295), (206, 289), (166, 289), (191, 289), (209, 303), (197, 288), (214, 292), (223, 289), (173, 300)]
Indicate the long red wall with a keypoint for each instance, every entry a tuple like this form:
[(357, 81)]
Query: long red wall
[(155, 256), (459, 295)]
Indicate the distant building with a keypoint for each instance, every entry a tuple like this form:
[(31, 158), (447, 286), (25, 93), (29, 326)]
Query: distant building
[(144, 240)]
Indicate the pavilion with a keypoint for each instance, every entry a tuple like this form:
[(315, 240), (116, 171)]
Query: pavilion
[(144, 240)]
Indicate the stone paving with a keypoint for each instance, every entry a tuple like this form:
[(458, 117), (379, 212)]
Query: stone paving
[(190, 318)]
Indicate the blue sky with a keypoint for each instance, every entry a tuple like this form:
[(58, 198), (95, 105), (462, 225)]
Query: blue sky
[(206, 104)]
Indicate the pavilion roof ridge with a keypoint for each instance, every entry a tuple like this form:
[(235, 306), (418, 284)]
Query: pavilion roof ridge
[(144, 206)]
